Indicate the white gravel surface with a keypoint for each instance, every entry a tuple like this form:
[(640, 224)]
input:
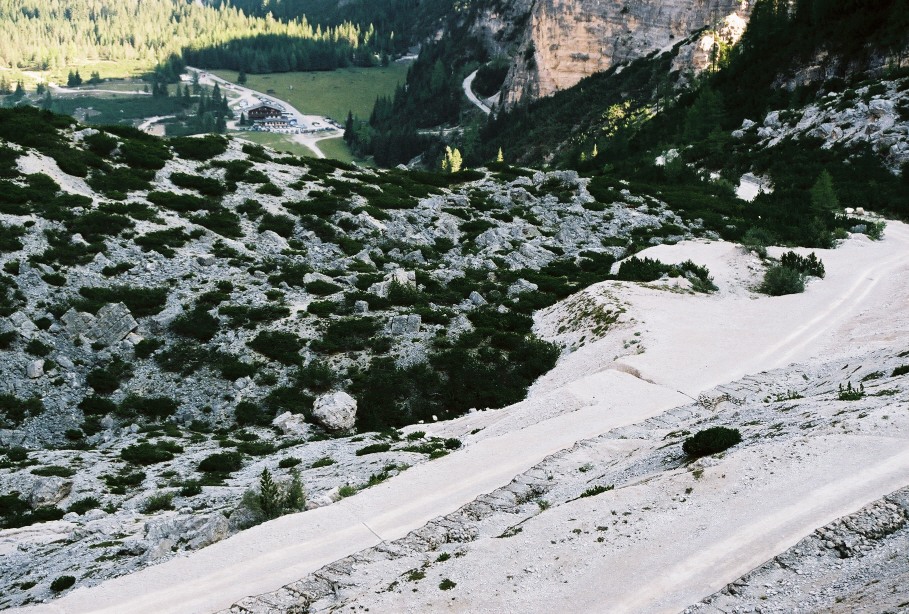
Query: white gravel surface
[(687, 343)]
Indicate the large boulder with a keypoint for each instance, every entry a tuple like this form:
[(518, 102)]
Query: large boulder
[(336, 411), (49, 491)]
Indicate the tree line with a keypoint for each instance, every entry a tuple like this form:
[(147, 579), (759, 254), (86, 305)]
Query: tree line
[(52, 35)]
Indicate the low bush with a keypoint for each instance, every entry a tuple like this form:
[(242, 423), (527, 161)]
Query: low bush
[(141, 302), (158, 502), (199, 148), (35, 347), (149, 454), (105, 380), (317, 376), (248, 413), (279, 224), (809, 265), (153, 408), (203, 185), (248, 316), (54, 471), (163, 241), (95, 405), (322, 288), (83, 505), (62, 583), (278, 345), (287, 463), (223, 462), (13, 410), (147, 347), (711, 441), (323, 462), (373, 449), (901, 370), (196, 324), (347, 335), (781, 280)]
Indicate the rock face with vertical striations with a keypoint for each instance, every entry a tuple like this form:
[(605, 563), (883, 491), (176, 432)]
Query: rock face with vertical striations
[(556, 43)]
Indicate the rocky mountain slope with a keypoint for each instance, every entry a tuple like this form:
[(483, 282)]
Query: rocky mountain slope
[(179, 318)]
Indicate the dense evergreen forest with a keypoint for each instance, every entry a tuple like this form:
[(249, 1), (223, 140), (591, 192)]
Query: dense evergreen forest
[(53, 35), (399, 24)]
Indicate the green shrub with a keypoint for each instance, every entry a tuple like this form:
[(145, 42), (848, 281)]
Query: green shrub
[(320, 308), (196, 148), (36, 348), (153, 408), (323, 462), (322, 288), (849, 393), (287, 463), (148, 155), (373, 449), (809, 265), (116, 269), (83, 505), (95, 405), (711, 441), (248, 413), (223, 462), (781, 280), (7, 338), (163, 241), (447, 585), (596, 490), (13, 410), (204, 185), (347, 335), (248, 316), (105, 380), (222, 222), (147, 347), (190, 488), (181, 203), (278, 345), (270, 189), (901, 370), (141, 302), (9, 238), (62, 583), (54, 470), (196, 324), (158, 502), (317, 377), (149, 454), (123, 480), (279, 224), (638, 269)]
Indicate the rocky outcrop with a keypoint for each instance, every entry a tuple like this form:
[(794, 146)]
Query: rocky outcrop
[(567, 40)]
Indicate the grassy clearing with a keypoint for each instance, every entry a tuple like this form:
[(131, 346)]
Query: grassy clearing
[(279, 142), (329, 93), (336, 148)]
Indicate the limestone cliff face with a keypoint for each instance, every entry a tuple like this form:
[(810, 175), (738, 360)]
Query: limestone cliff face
[(566, 40)]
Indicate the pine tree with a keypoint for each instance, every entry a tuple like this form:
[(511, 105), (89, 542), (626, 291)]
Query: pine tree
[(241, 77), (823, 194), (499, 156), (452, 161), (269, 496)]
